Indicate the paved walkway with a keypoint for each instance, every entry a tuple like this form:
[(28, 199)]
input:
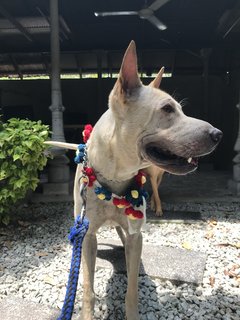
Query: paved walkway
[(157, 261), (184, 199), (21, 309), (200, 186)]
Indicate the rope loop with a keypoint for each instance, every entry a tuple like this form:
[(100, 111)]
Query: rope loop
[(76, 236), (80, 228)]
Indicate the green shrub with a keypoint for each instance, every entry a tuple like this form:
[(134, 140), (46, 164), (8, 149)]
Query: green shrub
[(21, 157)]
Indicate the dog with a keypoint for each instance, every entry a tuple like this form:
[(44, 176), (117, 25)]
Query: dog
[(155, 175), (143, 126)]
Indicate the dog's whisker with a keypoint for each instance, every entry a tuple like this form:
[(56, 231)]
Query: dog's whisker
[(183, 102), (174, 95)]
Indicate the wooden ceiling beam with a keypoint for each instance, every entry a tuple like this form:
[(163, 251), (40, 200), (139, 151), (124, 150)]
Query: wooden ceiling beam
[(16, 66), (15, 23), (229, 20)]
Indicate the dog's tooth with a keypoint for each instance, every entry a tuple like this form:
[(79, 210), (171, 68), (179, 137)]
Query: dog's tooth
[(189, 160)]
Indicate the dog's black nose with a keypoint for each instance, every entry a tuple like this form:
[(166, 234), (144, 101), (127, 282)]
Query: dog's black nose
[(215, 134)]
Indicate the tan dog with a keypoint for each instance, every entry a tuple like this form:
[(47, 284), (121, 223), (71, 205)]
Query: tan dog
[(143, 126), (155, 175)]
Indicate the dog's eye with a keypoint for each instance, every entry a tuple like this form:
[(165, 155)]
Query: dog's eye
[(168, 108)]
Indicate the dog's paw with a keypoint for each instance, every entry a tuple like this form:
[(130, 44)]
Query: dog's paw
[(159, 212), (152, 205)]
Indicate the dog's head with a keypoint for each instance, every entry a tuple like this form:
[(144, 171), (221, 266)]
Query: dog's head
[(165, 136)]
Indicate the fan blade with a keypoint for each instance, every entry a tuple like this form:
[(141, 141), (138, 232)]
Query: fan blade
[(157, 4), (115, 13), (157, 23)]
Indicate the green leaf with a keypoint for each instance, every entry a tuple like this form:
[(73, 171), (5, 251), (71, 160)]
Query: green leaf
[(29, 144), (43, 133), (3, 175), (16, 157), (2, 155), (6, 219)]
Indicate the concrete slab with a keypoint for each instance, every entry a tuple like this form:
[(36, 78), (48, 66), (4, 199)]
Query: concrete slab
[(20, 309), (157, 261)]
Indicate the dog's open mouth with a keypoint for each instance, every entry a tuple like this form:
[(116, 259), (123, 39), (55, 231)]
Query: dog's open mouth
[(169, 161)]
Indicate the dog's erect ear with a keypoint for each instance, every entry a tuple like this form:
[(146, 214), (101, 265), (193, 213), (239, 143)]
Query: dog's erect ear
[(157, 81), (128, 75)]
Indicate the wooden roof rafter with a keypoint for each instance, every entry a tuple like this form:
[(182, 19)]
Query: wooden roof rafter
[(16, 23)]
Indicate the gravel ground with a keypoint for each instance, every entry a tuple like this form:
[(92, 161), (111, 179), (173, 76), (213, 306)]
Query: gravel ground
[(35, 258)]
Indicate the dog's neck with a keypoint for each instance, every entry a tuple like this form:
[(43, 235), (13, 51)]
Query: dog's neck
[(113, 154), (116, 186)]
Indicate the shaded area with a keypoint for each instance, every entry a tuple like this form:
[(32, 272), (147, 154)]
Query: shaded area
[(189, 197), (113, 256), (157, 261), (200, 186)]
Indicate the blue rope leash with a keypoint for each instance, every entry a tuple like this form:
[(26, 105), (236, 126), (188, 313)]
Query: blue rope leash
[(76, 236)]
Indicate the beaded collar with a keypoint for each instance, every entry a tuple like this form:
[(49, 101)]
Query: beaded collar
[(134, 201)]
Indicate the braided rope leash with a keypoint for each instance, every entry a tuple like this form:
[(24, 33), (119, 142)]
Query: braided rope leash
[(76, 236)]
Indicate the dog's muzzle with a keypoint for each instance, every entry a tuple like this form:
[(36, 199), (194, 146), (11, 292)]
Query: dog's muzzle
[(168, 161), (154, 152)]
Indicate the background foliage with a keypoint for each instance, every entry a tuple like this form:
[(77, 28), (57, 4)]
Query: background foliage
[(21, 157)]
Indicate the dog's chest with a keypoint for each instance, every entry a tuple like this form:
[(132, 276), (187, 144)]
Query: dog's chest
[(103, 212)]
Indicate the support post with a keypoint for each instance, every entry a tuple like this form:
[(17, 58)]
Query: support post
[(234, 183), (205, 53), (58, 172)]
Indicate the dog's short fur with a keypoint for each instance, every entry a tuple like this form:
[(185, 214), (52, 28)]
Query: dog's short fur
[(143, 126)]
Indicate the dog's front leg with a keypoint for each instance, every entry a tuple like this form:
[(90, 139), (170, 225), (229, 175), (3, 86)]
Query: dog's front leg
[(89, 259), (133, 250), (155, 199)]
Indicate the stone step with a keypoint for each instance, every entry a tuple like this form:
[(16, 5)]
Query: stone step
[(21, 309), (157, 261)]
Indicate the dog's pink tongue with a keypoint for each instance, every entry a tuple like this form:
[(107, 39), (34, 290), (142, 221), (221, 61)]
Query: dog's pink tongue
[(194, 161)]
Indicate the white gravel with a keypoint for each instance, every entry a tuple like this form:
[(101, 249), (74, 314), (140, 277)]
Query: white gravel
[(35, 258)]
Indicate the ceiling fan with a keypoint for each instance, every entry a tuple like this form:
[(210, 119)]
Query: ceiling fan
[(146, 13)]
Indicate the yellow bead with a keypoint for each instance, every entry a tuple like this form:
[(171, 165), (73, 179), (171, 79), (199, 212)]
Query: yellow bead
[(131, 217), (101, 196), (144, 179), (134, 194), (84, 180), (120, 206)]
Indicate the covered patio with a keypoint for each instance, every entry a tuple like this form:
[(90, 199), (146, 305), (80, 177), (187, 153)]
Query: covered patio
[(58, 62)]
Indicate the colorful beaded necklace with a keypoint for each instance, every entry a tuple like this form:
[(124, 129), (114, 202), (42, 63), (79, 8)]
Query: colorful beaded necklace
[(134, 199)]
